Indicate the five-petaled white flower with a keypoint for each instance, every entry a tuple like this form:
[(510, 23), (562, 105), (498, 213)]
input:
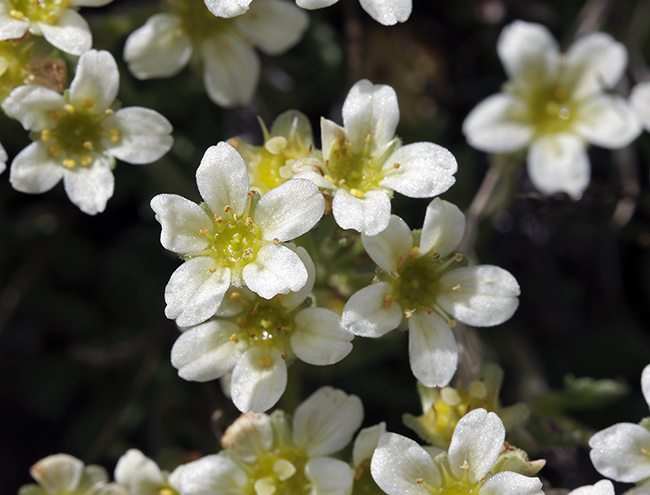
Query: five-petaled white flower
[(164, 45), (142, 476), (55, 20), (364, 162), (622, 451), (555, 104), (402, 467), (267, 455), (78, 135), (259, 340), (62, 474), (426, 286), (234, 238), (386, 13)]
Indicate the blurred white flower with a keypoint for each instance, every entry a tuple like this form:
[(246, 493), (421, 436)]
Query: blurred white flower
[(142, 476), (427, 286), (3, 159), (266, 455), (622, 451), (402, 467), (603, 487), (555, 104), (62, 474), (640, 101), (234, 238), (164, 45), (364, 162), (258, 342), (78, 135), (56, 20)]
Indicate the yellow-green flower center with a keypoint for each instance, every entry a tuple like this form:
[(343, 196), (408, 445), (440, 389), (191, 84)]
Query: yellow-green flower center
[(47, 11), (197, 21), (14, 58), (357, 173), (280, 471)]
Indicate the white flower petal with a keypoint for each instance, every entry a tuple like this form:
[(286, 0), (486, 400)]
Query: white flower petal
[(10, 27), (325, 422), (138, 473), (432, 349), (397, 464), (315, 4), (227, 8), (3, 159), (275, 270), (475, 444), (329, 476), (607, 121), (370, 110), (90, 188), (213, 475), (289, 210), (420, 170), (32, 105), (369, 215), (645, 383), (618, 452), (182, 220), (443, 228), (603, 487), (389, 12), (481, 296), (318, 337), (331, 134), (258, 379), (232, 70), (222, 179), (70, 34), (34, 170), (559, 163), (494, 125), (96, 82), (159, 48), (528, 52), (59, 473), (205, 352), (273, 25), (194, 293), (144, 135), (386, 248), (366, 314), (595, 62), (512, 484), (366, 443), (640, 101), (248, 436), (292, 299)]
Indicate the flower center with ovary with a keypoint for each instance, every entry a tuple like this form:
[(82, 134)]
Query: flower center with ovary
[(357, 174), (279, 472), (76, 133), (47, 11), (197, 21), (415, 284)]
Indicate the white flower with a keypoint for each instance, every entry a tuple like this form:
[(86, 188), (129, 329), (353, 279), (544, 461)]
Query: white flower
[(62, 474), (603, 487), (79, 135), (142, 476), (259, 340), (364, 162), (555, 104), (233, 239), (425, 285), (622, 451), (640, 101), (402, 467), (56, 20), (3, 159), (164, 45), (268, 455)]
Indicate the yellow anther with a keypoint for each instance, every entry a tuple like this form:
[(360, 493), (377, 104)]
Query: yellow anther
[(356, 193), (234, 338), (203, 231), (16, 14), (68, 108), (114, 135), (419, 481), (284, 355), (409, 312), (413, 252), (265, 361), (428, 310), (644, 451), (86, 160), (396, 165), (87, 103), (109, 111), (235, 296), (330, 178), (227, 208), (249, 221), (452, 323), (46, 135), (54, 115), (68, 163), (388, 300), (217, 219), (275, 241), (55, 151), (235, 143), (368, 138), (213, 269), (401, 260), (456, 287), (458, 257), (51, 19), (436, 256), (248, 252), (465, 466), (251, 194), (88, 145)]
